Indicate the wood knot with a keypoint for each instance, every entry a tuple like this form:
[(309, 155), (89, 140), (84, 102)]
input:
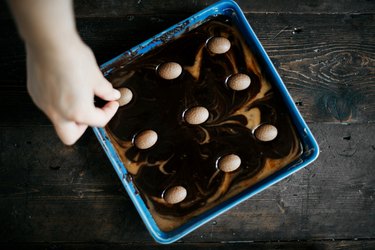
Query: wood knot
[(340, 107)]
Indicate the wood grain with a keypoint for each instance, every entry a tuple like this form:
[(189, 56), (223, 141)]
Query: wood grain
[(50, 192), (297, 245), (114, 8)]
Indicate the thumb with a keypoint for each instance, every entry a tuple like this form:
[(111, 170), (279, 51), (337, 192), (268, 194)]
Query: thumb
[(99, 117), (105, 90)]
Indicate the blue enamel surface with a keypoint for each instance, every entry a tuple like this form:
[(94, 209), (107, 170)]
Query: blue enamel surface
[(311, 149)]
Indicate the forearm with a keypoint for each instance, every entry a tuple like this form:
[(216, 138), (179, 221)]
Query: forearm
[(44, 23), (62, 74)]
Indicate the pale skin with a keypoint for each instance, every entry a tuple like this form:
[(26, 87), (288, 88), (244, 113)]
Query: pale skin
[(62, 74)]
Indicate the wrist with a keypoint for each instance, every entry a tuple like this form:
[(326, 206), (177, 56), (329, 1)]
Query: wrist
[(58, 45), (53, 41)]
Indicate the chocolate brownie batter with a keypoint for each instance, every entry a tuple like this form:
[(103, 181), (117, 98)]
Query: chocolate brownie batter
[(186, 155)]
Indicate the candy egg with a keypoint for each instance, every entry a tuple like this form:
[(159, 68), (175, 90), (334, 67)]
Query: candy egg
[(169, 70), (175, 194), (126, 96), (229, 163), (196, 115), (146, 139), (218, 45), (266, 132), (239, 81)]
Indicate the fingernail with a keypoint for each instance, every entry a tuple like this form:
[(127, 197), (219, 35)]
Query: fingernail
[(116, 94)]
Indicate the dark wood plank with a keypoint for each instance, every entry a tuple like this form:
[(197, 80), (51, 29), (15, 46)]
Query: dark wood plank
[(50, 192), (328, 66), (111, 8), (297, 245), (114, 8)]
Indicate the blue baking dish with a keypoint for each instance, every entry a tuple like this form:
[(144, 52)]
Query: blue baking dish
[(310, 147)]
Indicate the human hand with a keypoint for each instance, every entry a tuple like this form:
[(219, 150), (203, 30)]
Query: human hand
[(62, 81)]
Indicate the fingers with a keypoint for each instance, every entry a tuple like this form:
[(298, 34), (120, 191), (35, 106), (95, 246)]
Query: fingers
[(99, 117), (69, 132), (105, 91), (70, 129)]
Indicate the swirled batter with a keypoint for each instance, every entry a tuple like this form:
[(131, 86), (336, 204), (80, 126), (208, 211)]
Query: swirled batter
[(185, 155)]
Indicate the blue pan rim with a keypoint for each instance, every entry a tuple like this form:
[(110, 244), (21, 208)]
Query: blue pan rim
[(172, 236)]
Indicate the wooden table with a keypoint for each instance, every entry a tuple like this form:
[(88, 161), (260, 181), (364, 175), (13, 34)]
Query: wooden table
[(58, 197)]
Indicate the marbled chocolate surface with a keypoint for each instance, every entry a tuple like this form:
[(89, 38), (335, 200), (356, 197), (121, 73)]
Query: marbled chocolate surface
[(186, 155)]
